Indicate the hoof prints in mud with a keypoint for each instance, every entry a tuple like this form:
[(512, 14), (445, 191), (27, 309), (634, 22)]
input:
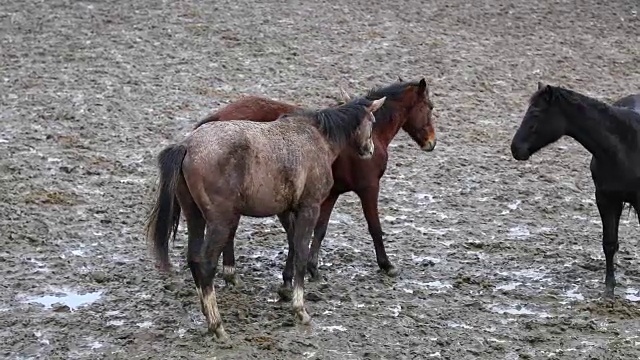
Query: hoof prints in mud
[(499, 260)]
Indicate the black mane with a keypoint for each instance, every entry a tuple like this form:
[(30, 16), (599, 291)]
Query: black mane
[(339, 123), (392, 92), (624, 124)]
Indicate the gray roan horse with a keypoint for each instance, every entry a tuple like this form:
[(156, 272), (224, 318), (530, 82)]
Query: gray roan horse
[(611, 133), (224, 170)]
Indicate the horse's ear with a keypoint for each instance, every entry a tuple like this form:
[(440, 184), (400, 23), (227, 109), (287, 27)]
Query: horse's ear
[(422, 86), (344, 95), (400, 79), (377, 104)]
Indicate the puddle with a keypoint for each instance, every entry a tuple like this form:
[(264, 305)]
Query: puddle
[(69, 298), (456, 325), (144, 324), (517, 310), (395, 310), (509, 286), (527, 273), (424, 230), (573, 295), (519, 232), (333, 328), (632, 295), (338, 218), (420, 259), (428, 197)]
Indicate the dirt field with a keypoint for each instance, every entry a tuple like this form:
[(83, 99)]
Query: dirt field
[(499, 259)]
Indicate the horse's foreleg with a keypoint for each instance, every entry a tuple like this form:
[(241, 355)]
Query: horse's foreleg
[(610, 210), (305, 220), (319, 233), (369, 199), (285, 291)]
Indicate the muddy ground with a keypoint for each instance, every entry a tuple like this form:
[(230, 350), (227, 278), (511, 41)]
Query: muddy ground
[(499, 259)]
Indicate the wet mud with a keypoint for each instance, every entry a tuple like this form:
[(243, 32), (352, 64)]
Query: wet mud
[(499, 259)]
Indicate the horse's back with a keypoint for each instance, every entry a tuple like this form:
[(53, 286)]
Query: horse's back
[(631, 102), (270, 164)]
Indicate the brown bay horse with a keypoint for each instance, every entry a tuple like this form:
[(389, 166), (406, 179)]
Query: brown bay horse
[(408, 106), (225, 170)]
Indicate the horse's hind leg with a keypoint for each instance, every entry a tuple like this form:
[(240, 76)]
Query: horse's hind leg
[(229, 261), (195, 227), (285, 291), (216, 236), (306, 218)]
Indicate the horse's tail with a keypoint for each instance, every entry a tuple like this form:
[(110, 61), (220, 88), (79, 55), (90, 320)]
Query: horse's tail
[(165, 215), (211, 117)]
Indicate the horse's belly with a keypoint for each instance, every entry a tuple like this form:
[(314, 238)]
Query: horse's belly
[(267, 200), (263, 210)]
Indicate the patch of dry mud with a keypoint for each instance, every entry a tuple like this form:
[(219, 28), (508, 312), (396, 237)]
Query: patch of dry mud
[(500, 260)]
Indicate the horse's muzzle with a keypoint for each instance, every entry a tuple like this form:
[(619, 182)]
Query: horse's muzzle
[(430, 145), (520, 153)]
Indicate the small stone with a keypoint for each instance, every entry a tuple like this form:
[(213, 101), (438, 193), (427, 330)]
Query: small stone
[(61, 308), (99, 276)]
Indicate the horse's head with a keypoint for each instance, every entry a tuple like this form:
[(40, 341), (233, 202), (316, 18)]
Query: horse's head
[(542, 124), (419, 123), (363, 134), (409, 103)]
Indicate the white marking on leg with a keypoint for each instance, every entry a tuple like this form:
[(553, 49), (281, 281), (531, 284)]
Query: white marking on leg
[(298, 298), (211, 308), (228, 270)]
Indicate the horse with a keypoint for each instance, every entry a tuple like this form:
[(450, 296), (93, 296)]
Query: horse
[(611, 133), (408, 107), (225, 170)]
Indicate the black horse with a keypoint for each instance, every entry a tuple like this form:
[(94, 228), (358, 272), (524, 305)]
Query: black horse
[(611, 133)]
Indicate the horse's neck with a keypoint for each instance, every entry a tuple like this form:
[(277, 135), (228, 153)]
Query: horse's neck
[(387, 129), (592, 128)]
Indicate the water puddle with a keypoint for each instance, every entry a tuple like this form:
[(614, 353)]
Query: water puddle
[(424, 230), (519, 232), (517, 310), (340, 218), (428, 197), (508, 287), (333, 328), (456, 325), (144, 324), (69, 298), (511, 207), (421, 259), (573, 295), (632, 295)]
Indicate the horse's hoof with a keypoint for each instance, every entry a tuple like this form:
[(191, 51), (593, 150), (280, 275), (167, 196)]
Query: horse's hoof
[(221, 334), (303, 316), (312, 269), (392, 271), (608, 294), (230, 281), (285, 293)]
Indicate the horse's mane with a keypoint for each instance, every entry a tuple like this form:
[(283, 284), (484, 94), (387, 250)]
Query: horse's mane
[(338, 123), (391, 92), (555, 95), (625, 125)]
